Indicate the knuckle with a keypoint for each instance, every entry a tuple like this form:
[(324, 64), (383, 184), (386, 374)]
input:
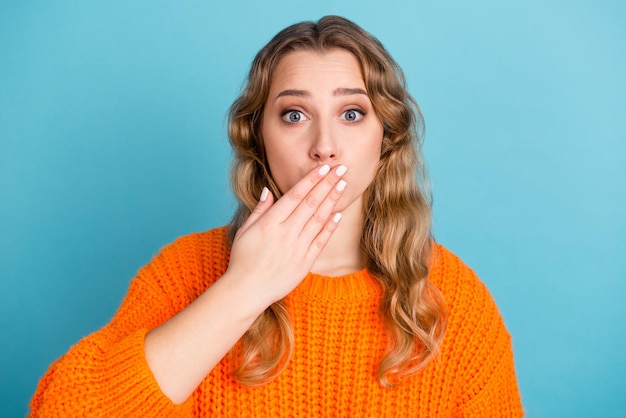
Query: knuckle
[(318, 244), (317, 219), (294, 196), (311, 201)]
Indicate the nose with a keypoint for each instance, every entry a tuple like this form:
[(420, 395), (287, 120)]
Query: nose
[(324, 146)]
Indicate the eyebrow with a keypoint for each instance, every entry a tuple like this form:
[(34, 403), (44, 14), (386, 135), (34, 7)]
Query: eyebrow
[(341, 91), (297, 93)]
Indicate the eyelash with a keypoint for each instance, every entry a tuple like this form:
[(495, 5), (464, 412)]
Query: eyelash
[(359, 111), (284, 115)]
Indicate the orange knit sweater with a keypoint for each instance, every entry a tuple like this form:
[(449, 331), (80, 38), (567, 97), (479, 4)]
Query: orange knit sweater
[(338, 343)]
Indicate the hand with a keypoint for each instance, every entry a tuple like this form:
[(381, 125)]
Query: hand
[(277, 245)]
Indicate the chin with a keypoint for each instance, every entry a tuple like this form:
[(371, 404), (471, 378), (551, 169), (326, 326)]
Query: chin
[(349, 204)]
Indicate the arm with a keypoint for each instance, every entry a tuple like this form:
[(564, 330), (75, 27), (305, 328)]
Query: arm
[(126, 369), (496, 394), (108, 368), (272, 252), (490, 385)]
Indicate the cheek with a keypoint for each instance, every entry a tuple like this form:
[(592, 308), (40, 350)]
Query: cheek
[(282, 167), (364, 167), (372, 166), (371, 153), (274, 155), (370, 159)]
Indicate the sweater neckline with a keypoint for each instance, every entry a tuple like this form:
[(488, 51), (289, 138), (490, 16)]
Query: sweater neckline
[(359, 285)]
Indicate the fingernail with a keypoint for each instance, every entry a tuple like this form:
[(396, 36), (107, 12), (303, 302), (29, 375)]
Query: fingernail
[(341, 170), (264, 194), (341, 185), (337, 217), (324, 170)]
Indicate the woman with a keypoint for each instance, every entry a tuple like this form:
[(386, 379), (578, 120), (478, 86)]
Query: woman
[(326, 295)]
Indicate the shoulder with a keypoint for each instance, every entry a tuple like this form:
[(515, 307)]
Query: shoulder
[(211, 240), (197, 246), (474, 319), (475, 324), (477, 344), (458, 283), (190, 263)]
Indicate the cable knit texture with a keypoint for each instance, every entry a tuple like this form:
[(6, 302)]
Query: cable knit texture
[(339, 341)]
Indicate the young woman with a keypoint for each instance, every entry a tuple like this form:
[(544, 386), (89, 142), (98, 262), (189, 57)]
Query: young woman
[(326, 295)]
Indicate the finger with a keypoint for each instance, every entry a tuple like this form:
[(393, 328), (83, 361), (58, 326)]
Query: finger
[(294, 197), (318, 219), (265, 202), (322, 238), (308, 209)]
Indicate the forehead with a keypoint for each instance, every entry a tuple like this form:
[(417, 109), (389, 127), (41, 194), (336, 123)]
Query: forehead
[(334, 67)]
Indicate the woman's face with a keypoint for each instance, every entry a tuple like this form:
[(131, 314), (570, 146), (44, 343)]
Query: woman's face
[(318, 112)]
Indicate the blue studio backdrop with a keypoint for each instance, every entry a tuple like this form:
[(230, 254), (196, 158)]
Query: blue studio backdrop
[(112, 144)]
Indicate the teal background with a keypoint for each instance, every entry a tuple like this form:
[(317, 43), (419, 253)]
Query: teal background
[(112, 136)]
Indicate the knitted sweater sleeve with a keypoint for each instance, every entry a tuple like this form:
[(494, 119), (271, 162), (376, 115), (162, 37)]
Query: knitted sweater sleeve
[(482, 346), (491, 386), (106, 374)]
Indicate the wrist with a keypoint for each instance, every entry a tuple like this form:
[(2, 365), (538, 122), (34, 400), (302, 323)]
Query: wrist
[(238, 293)]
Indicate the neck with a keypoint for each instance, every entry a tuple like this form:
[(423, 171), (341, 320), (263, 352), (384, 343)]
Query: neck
[(343, 255)]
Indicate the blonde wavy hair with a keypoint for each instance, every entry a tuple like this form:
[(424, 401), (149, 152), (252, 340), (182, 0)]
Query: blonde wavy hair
[(397, 242)]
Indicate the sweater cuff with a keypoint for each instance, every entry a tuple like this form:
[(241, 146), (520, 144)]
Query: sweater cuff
[(137, 392)]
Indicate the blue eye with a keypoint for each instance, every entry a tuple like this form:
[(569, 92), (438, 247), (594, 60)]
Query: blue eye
[(293, 116), (353, 115)]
